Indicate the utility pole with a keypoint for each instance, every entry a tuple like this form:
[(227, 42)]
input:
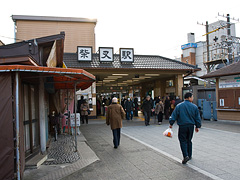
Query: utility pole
[(229, 39), (207, 41)]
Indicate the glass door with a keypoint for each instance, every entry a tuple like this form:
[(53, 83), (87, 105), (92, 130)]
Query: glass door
[(31, 122)]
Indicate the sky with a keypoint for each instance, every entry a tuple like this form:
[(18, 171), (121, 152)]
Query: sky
[(151, 27)]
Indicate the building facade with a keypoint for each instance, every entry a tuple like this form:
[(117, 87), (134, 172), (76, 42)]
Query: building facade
[(78, 31), (227, 91)]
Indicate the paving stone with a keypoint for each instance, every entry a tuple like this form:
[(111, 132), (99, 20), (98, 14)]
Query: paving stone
[(62, 151)]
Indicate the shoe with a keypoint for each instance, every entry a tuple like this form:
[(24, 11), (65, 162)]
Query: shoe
[(159, 123), (185, 160), (115, 147)]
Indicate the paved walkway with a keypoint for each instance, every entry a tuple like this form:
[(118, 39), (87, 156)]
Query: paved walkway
[(131, 161), (215, 151), (145, 153)]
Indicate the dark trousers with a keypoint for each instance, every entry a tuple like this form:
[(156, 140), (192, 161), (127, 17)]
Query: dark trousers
[(167, 114), (136, 111), (185, 134), (147, 115), (160, 117), (84, 117), (129, 115), (116, 136)]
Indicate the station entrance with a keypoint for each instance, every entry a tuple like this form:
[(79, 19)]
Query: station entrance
[(147, 75)]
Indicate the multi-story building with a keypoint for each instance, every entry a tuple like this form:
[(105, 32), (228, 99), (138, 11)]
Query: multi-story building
[(220, 45), (78, 31)]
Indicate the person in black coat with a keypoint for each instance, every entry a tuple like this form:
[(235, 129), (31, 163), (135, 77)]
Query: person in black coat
[(177, 101), (79, 104), (135, 101), (129, 106), (167, 107), (147, 108)]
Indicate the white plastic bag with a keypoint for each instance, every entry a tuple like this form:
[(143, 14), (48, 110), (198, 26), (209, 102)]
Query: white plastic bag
[(168, 132)]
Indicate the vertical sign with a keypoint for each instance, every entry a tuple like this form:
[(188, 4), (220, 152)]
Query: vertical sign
[(84, 53), (72, 119), (105, 54), (126, 55), (221, 102)]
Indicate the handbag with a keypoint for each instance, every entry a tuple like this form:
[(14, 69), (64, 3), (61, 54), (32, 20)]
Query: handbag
[(89, 112)]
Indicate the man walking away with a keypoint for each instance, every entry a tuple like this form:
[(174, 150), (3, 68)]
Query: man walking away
[(115, 114), (187, 115), (147, 107)]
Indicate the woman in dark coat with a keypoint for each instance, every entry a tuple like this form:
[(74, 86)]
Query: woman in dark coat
[(167, 107)]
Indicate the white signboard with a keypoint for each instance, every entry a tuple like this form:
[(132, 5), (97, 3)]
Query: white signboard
[(72, 119), (84, 53), (126, 54), (229, 82), (221, 102), (105, 54), (94, 101)]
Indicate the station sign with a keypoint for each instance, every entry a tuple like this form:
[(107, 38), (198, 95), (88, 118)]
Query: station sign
[(84, 53), (105, 54), (126, 55)]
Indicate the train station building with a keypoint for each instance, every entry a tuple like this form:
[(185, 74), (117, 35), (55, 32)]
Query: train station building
[(144, 75)]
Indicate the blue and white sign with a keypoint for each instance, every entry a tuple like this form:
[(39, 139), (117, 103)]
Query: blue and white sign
[(189, 45), (229, 82), (84, 53), (105, 54), (126, 54)]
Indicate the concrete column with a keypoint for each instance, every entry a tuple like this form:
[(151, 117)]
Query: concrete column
[(157, 88), (42, 116), (179, 85), (94, 100)]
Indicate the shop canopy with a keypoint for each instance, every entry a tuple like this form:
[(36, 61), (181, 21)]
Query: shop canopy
[(62, 78)]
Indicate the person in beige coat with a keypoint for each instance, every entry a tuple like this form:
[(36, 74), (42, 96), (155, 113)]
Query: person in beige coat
[(159, 111), (115, 114), (84, 111)]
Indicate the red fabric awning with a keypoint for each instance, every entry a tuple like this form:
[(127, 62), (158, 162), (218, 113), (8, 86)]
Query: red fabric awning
[(63, 78)]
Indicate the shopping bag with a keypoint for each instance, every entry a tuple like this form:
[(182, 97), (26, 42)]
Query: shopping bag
[(168, 132)]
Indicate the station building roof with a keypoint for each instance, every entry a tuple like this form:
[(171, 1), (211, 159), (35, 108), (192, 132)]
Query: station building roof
[(147, 62)]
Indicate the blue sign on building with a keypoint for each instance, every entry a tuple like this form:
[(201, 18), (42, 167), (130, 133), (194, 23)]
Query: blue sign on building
[(189, 45)]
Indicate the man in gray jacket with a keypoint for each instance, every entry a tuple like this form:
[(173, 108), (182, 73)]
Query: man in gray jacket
[(187, 115)]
